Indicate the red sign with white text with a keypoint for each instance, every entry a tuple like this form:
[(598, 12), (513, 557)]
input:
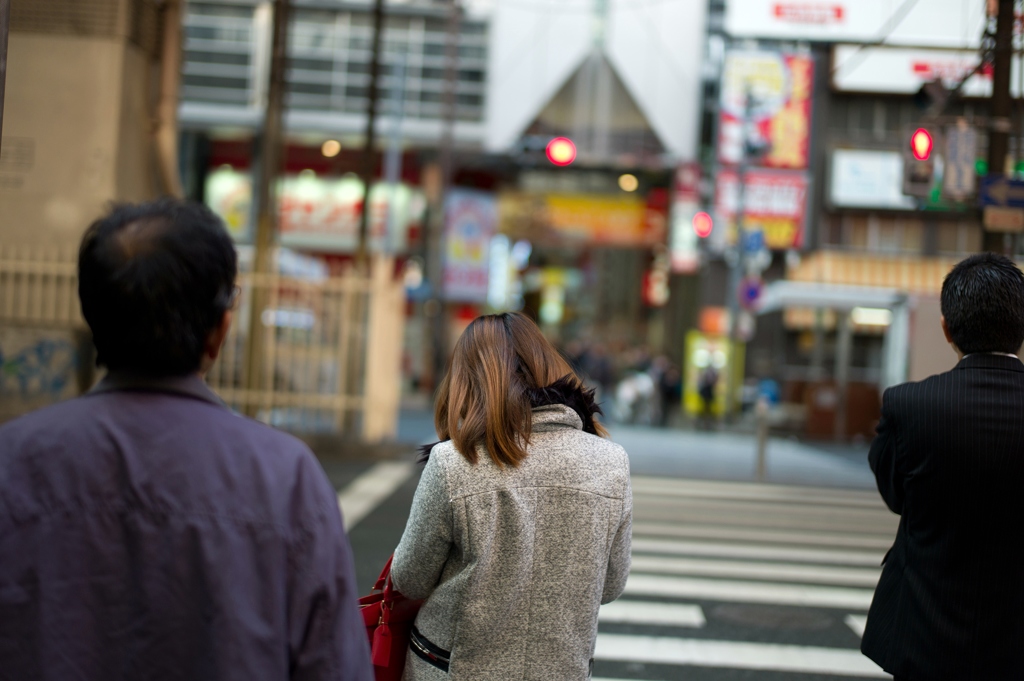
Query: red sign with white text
[(774, 202)]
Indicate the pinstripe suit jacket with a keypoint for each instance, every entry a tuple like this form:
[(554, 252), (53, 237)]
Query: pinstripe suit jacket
[(949, 458)]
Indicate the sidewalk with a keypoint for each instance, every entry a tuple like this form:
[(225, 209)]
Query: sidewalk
[(724, 455), (717, 455)]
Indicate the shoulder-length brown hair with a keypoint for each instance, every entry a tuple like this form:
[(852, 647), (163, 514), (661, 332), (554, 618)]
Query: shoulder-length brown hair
[(485, 397)]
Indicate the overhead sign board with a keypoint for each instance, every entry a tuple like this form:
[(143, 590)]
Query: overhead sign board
[(903, 70), (943, 23), (998, 219), (863, 178), (996, 190)]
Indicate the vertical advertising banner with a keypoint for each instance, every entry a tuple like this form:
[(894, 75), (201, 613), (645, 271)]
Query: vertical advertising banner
[(684, 254), (470, 220), (779, 87)]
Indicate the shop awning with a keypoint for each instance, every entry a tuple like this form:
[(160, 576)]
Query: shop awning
[(908, 275), (781, 295)]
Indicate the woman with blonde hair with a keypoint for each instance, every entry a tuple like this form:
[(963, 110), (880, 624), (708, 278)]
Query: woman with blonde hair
[(520, 527)]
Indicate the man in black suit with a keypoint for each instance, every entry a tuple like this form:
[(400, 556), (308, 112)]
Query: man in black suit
[(949, 459)]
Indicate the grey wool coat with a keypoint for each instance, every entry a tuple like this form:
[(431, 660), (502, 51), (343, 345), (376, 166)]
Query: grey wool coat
[(514, 562)]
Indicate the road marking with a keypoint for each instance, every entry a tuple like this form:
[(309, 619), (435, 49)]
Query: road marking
[(878, 515), (745, 490), (756, 552), (785, 572), (765, 517), (734, 533), (858, 623), (735, 591), (646, 612), (735, 655), (370, 489)]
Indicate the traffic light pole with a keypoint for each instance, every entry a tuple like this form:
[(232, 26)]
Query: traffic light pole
[(738, 262)]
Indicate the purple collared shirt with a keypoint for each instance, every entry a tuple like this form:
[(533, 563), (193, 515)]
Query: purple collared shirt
[(147, 532)]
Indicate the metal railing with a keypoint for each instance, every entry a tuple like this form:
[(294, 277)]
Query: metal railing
[(331, 348)]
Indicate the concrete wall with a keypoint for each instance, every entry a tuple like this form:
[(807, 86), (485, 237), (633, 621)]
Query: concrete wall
[(929, 352), (76, 134)]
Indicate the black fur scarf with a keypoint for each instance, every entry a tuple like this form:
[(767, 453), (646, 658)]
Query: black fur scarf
[(562, 391)]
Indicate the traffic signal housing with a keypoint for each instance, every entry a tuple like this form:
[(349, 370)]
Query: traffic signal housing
[(561, 151), (921, 144), (702, 224), (919, 164)]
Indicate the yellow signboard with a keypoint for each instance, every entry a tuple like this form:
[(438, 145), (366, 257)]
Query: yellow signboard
[(577, 218)]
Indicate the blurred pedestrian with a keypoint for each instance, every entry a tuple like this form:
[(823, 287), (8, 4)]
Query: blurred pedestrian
[(948, 459), (146, 531), (670, 387), (707, 387), (520, 527)]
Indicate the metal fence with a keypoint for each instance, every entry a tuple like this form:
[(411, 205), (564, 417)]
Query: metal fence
[(330, 347)]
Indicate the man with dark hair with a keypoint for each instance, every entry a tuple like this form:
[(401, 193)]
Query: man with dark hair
[(146, 531), (949, 458)]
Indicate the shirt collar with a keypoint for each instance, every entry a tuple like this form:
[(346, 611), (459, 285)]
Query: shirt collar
[(991, 360), (191, 385), (1001, 354), (555, 416)]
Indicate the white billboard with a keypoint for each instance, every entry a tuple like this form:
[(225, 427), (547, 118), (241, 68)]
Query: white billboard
[(863, 178), (903, 70), (928, 23)]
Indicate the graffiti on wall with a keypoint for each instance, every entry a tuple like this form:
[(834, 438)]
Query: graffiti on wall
[(36, 365)]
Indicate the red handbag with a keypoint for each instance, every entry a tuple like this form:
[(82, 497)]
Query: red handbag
[(388, 616)]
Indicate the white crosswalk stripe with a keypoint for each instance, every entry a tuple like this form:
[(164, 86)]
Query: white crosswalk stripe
[(703, 551)]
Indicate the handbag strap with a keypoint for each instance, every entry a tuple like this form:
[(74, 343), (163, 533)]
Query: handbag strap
[(385, 576)]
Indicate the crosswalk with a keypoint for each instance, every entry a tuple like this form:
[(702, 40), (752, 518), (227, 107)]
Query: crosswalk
[(745, 581)]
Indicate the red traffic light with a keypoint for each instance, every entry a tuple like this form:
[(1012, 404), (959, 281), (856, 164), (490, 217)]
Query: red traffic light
[(561, 151), (702, 224), (921, 144)]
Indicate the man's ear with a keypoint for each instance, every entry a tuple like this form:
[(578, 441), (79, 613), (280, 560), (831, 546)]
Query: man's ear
[(945, 329), (215, 341)]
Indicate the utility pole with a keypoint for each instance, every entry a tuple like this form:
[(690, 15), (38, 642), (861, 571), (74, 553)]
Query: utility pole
[(1000, 127), (369, 137), (393, 157), (5, 29), (270, 152), (436, 313), (999, 135)]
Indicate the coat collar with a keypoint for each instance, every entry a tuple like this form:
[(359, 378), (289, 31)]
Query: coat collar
[(984, 360), (191, 385), (555, 416)]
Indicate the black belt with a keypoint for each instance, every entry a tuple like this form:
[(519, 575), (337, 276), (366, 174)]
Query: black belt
[(428, 652)]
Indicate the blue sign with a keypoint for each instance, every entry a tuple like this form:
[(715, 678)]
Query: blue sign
[(753, 241), (750, 292), (996, 190)]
